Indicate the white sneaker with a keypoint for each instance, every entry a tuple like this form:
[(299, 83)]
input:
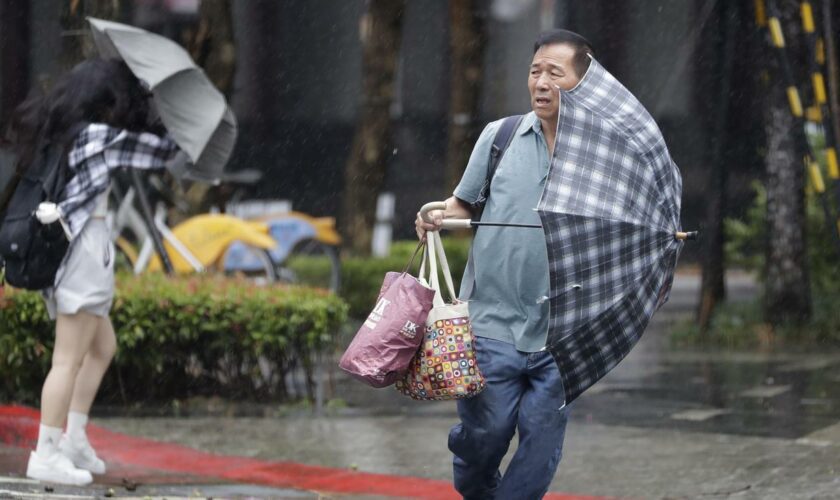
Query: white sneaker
[(56, 469), (81, 454)]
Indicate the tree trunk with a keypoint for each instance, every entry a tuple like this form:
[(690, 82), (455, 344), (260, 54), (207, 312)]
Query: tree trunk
[(14, 56), (372, 144), (713, 288), (831, 67), (467, 38), (611, 39), (76, 43), (787, 288), (212, 47)]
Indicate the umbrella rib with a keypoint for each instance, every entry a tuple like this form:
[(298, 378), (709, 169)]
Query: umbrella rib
[(601, 217)]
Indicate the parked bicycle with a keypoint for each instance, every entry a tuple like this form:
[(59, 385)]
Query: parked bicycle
[(288, 247)]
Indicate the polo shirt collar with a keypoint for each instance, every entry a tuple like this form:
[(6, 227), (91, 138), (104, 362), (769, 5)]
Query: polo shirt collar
[(530, 124)]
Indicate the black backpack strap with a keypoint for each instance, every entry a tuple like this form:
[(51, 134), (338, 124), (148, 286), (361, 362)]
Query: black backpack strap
[(501, 141)]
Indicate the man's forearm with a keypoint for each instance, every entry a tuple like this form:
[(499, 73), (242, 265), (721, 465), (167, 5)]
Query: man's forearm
[(457, 209)]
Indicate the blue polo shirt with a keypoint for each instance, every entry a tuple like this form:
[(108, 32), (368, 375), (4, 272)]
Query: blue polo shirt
[(510, 265)]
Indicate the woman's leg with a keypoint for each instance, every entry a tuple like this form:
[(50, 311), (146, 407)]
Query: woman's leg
[(95, 364), (74, 334), (75, 444)]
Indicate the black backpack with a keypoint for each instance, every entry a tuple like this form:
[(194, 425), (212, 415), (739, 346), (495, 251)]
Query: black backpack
[(33, 251)]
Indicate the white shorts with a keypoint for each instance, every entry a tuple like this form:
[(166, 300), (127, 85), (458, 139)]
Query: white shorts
[(85, 280)]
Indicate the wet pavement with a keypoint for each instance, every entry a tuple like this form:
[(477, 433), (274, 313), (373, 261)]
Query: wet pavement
[(17, 487), (126, 481), (666, 423)]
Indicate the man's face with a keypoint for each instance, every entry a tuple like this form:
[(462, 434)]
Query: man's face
[(551, 68)]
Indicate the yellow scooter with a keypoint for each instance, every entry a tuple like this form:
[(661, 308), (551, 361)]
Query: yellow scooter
[(290, 247)]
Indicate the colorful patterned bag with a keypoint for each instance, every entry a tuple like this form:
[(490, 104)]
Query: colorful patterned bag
[(444, 366)]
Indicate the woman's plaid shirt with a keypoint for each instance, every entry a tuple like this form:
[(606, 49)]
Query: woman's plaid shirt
[(96, 151)]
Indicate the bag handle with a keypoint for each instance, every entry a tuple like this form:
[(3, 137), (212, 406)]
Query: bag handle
[(444, 266), (434, 281), (420, 245), (430, 278), (434, 249), (422, 273), (426, 275)]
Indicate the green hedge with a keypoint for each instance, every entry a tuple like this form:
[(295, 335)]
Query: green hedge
[(361, 278), (742, 324), (202, 335), (746, 241)]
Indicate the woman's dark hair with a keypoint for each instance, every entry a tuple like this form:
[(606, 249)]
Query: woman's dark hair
[(583, 49), (95, 90)]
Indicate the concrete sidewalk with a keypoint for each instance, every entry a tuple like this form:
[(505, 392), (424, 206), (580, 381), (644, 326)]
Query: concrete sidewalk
[(667, 423), (140, 467)]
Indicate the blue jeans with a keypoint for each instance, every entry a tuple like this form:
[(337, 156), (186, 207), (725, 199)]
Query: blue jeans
[(524, 391)]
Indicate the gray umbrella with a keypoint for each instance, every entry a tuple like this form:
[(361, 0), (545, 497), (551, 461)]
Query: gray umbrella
[(191, 108)]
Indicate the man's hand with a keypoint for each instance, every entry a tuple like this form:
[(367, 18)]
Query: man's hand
[(47, 213), (422, 226), (455, 209)]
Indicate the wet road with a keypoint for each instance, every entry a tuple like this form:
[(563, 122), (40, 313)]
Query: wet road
[(666, 423)]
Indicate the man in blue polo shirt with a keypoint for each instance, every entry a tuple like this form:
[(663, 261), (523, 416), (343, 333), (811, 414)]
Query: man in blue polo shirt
[(506, 295)]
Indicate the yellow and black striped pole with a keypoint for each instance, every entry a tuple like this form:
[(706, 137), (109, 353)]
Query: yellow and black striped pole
[(815, 111), (777, 39), (817, 64), (823, 115), (818, 184)]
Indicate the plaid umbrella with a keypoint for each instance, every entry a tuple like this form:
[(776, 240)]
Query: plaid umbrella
[(610, 211)]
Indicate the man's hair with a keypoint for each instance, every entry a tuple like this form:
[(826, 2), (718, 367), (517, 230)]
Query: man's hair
[(581, 46)]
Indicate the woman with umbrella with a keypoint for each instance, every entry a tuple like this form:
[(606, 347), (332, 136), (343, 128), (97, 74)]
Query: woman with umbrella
[(100, 112)]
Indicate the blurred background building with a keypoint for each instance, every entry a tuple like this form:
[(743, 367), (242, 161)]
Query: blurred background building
[(298, 83)]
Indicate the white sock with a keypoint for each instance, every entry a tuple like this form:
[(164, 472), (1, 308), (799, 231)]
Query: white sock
[(48, 440), (76, 423)]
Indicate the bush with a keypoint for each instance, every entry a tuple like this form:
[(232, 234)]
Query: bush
[(742, 325), (746, 243), (361, 278), (202, 335)]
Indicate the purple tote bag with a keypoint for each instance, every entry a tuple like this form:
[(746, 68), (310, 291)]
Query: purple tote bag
[(390, 336)]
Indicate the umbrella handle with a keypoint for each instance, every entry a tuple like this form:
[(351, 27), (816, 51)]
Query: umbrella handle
[(468, 223), (447, 223)]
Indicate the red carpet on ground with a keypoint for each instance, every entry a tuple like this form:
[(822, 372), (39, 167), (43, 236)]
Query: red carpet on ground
[(19, 427)]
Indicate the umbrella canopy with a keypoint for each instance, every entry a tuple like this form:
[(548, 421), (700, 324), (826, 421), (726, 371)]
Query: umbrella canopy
[(610, 211), (192, 109)]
